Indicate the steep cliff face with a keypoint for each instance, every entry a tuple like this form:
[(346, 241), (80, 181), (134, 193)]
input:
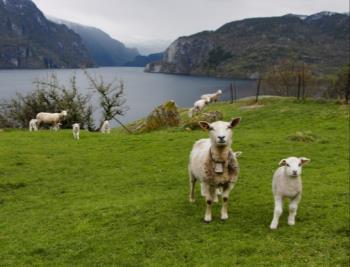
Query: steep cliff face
[(243, 48), (104, 50), (29, 40)]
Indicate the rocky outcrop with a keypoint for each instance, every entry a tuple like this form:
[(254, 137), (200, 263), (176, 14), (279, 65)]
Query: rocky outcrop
[(165, 115), (244, 48), (29, 40)]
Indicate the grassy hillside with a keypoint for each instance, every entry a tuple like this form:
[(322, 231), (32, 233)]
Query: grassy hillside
[(122, 199)]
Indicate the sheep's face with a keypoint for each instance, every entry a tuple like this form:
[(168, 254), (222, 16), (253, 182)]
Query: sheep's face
[(220, 132), (219, 92), (293, 166), (64, 113)]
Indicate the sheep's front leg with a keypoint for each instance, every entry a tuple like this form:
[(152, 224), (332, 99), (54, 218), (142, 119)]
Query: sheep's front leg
[(293, 206), (225, 195), (277, 212), (209, 196)]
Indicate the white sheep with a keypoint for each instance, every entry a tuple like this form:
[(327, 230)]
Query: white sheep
[(105, 128), (198, 106), (50, 118), (286, 183), (214, 165), (76, 131), (33, 125), (212, 97)]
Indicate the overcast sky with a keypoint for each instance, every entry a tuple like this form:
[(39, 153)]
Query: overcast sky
[(162, 21)]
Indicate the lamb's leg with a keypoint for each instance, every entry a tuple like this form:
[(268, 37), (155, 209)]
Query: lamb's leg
[(209, 195), (293, 206), (225, 196), (277, 212), (192, 185)]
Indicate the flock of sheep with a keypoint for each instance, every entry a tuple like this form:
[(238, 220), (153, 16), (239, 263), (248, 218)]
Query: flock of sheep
[(199, 105), (214, 164), (54, 119)]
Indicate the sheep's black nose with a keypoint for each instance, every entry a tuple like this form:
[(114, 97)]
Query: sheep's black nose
[(221, 138), (295, 172)]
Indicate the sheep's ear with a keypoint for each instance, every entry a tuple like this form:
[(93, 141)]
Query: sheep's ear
[(235, 122), (283, 162), (304, 161), (204, 125), (238, 154)]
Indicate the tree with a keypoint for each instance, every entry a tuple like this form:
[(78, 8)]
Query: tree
[(112, 101)]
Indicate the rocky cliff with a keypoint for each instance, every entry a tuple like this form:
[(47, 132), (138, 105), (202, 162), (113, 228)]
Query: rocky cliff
[(29, 40), (244, 48)]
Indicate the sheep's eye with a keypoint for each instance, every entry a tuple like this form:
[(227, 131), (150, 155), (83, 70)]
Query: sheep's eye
[(300, 164), (211, 128), (288, 165)]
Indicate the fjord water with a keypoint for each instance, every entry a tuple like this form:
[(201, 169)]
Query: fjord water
[(143, 91)]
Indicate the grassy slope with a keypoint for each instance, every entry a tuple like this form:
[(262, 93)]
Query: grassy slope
[(122, 199)]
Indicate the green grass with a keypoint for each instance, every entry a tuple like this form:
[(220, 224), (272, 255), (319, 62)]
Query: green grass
[(122, 199)]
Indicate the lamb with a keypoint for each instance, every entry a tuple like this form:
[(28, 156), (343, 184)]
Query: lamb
[(50, 118), (286, 182), (33, 125), (56, 127), (105, 128), (76, 131), (212, 97), (214, 165), (198, 106)]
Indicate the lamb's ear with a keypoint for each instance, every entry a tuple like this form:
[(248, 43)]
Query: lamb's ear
[(238, 154), (304, 161), (235, 122), (283, 162), (204, 125)]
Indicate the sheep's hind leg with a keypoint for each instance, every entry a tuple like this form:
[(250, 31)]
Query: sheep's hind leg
[(192, 186), (293, 206)]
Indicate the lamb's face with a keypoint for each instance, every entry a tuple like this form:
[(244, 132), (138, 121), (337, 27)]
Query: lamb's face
[(293, 166), (220, 132)]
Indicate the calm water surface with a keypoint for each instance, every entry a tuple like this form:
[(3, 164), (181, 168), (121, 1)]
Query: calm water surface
[(143, 91)]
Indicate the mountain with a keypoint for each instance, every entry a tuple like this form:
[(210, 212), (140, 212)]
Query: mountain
[(142, 61), (105, 50), (29, 40), (244, 48)]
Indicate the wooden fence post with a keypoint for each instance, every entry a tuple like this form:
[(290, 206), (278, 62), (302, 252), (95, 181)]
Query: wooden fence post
[(258, 90)]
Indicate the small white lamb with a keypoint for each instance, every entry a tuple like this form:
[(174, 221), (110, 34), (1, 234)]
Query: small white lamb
[(286, 183), (76, 131), (105, 128), (33, 125)]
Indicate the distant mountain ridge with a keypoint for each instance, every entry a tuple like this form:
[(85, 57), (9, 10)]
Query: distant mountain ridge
[(142, 61), (104, 50), (29, 40), (246, 47)]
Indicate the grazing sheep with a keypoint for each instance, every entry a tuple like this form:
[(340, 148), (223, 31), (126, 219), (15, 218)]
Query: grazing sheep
[(214, 165), (212, 97), (105, 128), (33, 125), (76, 131), (286, 182), (198, 106), (51, 118)]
